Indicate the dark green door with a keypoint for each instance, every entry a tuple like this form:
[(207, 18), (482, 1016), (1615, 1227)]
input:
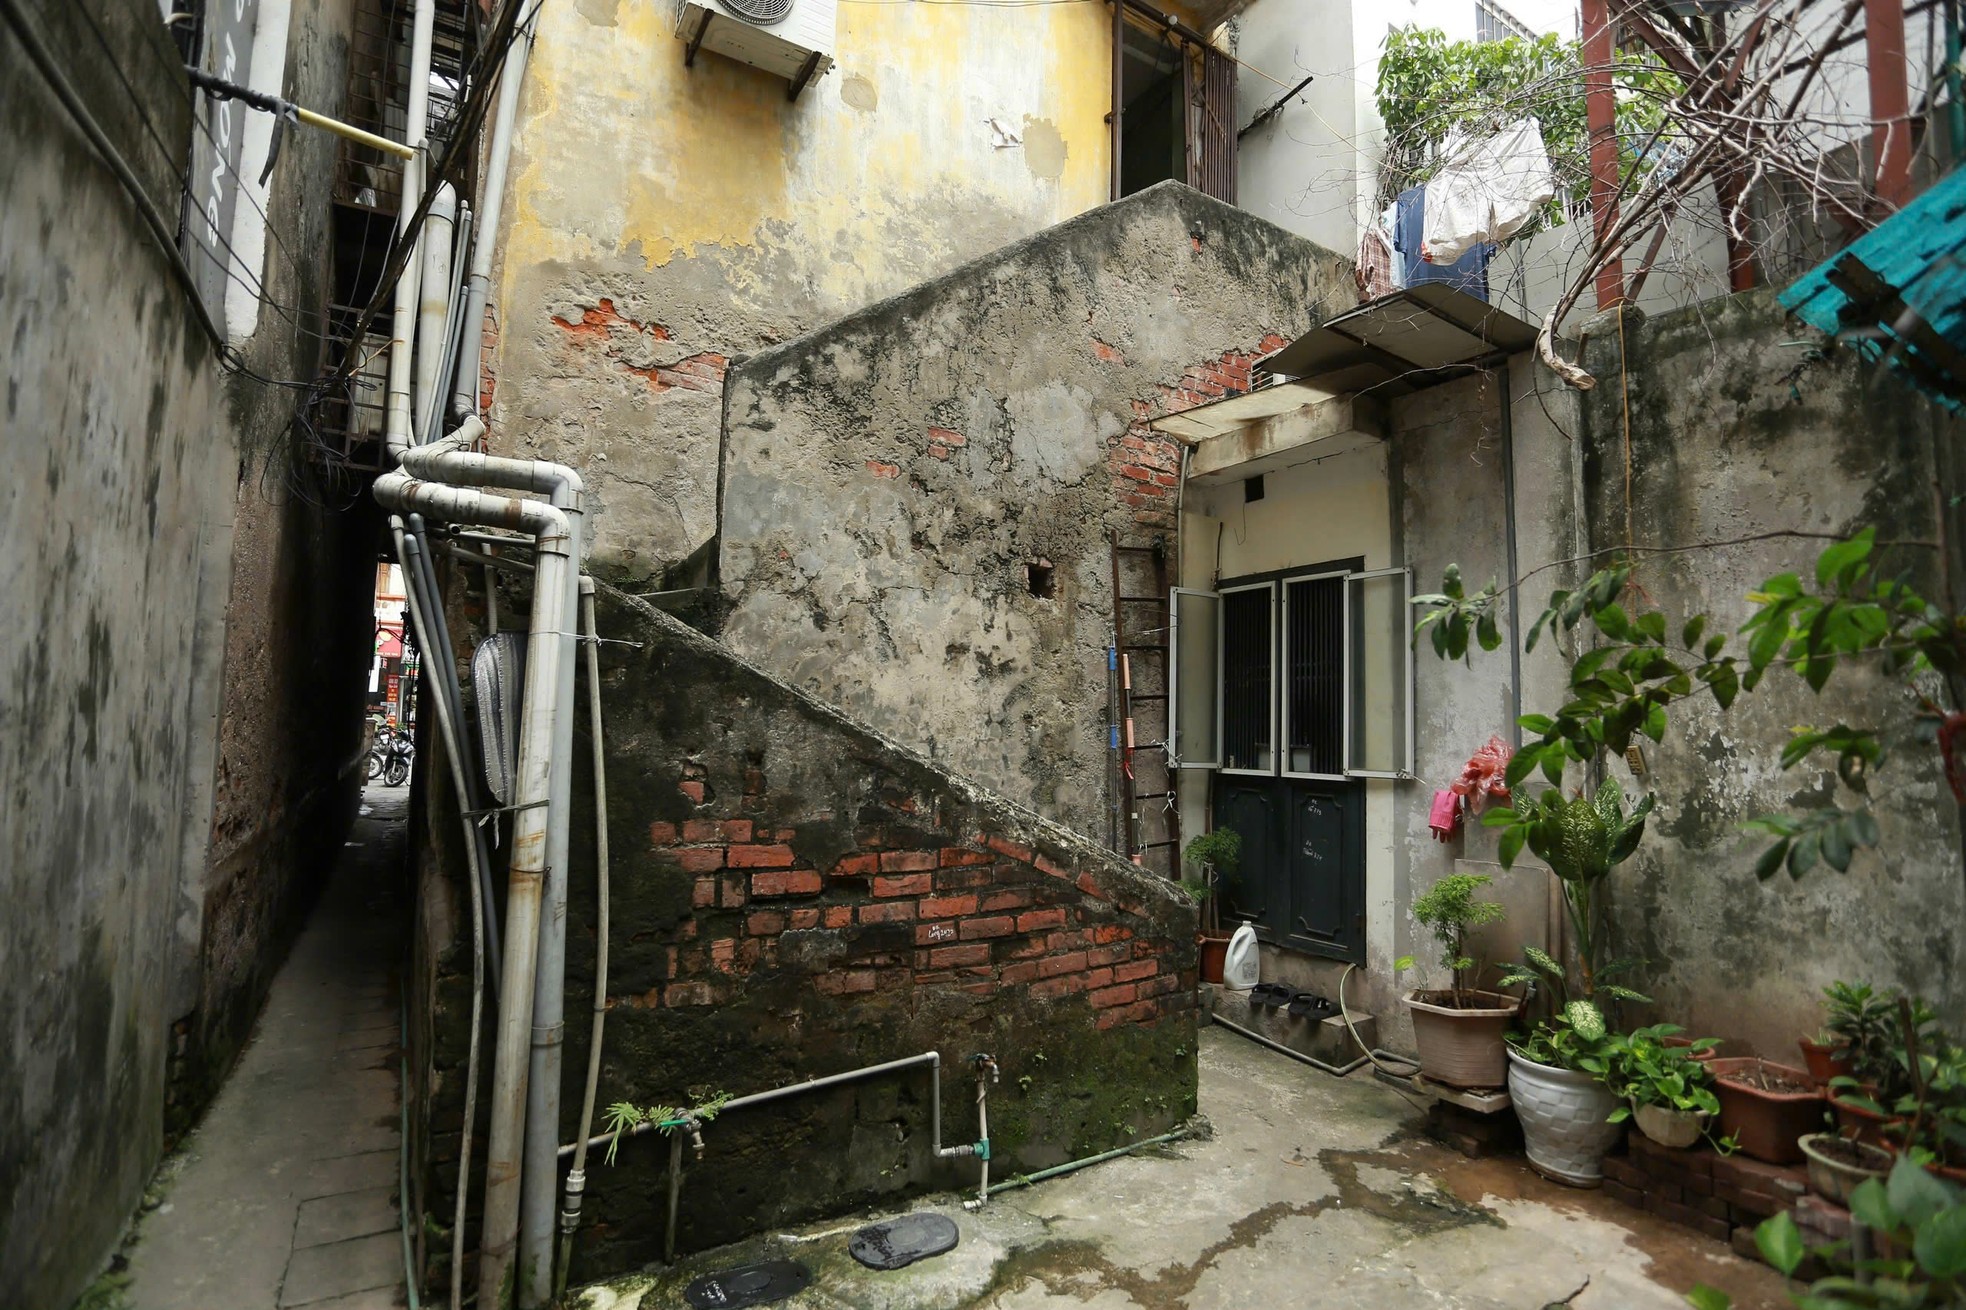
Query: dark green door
[(1302, 876)]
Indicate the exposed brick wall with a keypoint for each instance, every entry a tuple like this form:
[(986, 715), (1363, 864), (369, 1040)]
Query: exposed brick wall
[(922, 910), (793, 895), (1145, 464)]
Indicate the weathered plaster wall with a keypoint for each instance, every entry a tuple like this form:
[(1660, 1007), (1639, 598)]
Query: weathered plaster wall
[(131, 445), (115, 473), (281, 783), (794, 895), (889, 478), (663, 220), (1733, 433)]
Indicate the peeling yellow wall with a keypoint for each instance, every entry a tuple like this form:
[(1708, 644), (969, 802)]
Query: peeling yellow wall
[(715, 216)]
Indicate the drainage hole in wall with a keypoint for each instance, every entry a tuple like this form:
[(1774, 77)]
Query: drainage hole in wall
[(1040, 578)]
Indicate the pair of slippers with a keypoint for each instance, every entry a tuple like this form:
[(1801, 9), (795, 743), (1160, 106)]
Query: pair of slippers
[(1299, 1005), (895, 1244)]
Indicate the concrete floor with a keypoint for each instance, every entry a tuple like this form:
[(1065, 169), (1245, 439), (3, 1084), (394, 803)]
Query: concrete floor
[(1313, 1191), (285, 1194)]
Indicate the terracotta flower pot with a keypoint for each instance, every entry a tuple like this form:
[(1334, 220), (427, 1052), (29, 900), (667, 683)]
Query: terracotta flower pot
[(1825, 1062), (1459, 1046), (1859, 1124), (1565, 1116), (1214, 952), (1836, 1166), (1765, 1120), (1677, 1129)]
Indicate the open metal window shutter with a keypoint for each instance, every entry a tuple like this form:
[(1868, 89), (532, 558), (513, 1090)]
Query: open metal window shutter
[(1216, 135)]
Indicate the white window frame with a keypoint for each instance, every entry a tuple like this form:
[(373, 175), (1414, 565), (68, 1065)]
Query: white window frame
[(1221, 669), (1282, 666), (1406, 649), (1174, 679)]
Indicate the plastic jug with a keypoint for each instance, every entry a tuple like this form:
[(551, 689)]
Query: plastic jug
[(1240, 965)]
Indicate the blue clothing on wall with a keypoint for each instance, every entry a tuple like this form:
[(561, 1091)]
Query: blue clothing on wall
[(1469, 273)]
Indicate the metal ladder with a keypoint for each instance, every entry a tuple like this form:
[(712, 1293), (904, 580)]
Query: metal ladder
[(1124, 737)]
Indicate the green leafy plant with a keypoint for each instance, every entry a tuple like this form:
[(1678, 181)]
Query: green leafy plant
[(1567, 1039), (1917, 1258), (1582, 839), (1431, 90), (625, 1115), (1641, 1069), (1216, 854), (1637, 667), (1864, 1023), (1449, 908)]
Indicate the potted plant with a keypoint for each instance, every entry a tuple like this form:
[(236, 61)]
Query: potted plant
[(1765, 1107), (1667, 1089), (1569, 1117), (1838, 1165), (1878, 1045), (1929, 1124), (1564, 1108), (1824, 1056), (1214, 856), (1459, 1028), (1857, 1030)]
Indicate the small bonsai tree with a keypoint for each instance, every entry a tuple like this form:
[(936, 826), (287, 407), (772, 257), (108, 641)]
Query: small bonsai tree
[(1449, 909), (1215, 854)]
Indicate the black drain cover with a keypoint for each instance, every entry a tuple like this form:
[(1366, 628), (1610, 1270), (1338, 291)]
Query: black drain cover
[(900, 1242), (760, 1284)]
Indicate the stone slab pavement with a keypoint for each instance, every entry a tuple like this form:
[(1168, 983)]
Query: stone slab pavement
[(1312, 1191), (284, 1196)]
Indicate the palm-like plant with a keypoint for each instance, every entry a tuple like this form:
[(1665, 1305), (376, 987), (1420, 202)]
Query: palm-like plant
[(1582, 838)]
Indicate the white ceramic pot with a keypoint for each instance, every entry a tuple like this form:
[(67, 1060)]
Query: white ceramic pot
[(1678, 1129), (1563, 1116)]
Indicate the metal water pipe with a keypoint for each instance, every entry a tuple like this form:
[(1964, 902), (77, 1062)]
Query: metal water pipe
[(547, 649), (433, 305), (397, 420), (511, 78), (451, 461)]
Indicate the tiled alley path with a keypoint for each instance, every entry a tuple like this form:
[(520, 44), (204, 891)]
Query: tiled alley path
[(285, 1194)]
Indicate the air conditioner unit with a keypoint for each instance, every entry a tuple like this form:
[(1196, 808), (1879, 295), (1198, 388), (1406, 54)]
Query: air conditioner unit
[(792, 39)]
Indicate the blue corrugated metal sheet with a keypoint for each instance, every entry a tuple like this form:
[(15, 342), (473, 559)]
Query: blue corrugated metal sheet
[(1898, 292)]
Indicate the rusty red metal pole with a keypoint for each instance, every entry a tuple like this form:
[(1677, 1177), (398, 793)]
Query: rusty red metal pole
[(1890, 101), (1600, 114)]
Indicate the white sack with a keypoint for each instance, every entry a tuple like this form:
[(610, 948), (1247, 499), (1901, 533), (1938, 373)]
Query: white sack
[(1487, 192)]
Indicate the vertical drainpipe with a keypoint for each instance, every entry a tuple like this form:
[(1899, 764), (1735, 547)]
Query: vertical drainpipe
[(416, 124), (1515, 594), (433, 305), (464, 398), (539, 1195)]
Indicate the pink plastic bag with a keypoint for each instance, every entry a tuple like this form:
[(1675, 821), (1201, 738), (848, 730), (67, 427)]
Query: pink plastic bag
[(1482, 779)]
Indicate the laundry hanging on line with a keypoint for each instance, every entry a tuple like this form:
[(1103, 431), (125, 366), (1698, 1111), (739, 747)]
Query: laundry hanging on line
[(1487, 191), (1469, 273)]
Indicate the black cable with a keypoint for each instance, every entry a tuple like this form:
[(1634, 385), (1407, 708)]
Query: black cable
[(225, 265)]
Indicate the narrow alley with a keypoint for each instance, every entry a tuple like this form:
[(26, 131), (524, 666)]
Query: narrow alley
[(286, 1193)]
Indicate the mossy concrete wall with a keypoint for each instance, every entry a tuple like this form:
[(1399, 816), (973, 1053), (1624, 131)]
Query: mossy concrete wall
[(1732, 425), (160, 580), (892, 479), (794, 895)]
